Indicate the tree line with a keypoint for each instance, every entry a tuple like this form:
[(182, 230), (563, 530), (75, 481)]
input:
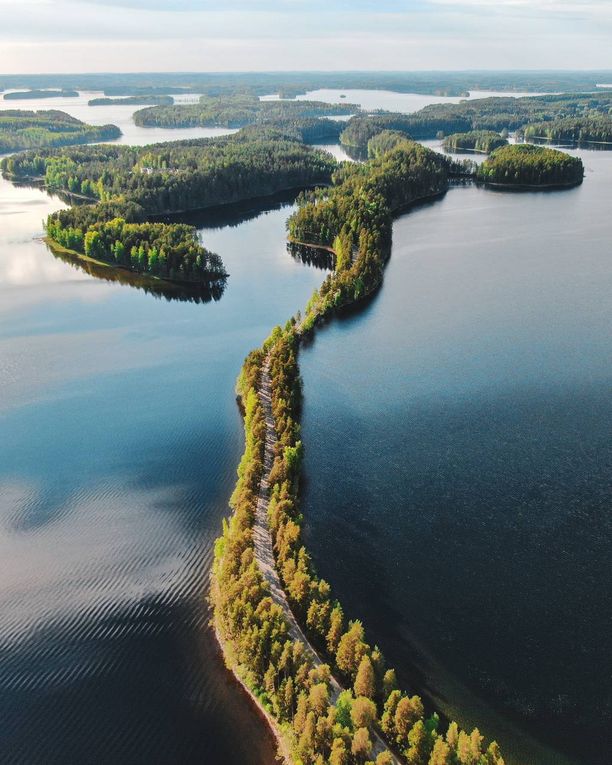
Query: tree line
[(355, 217), (235, 111), (528, 165), (130, 185), (482, 141), (492, 114), (577, 131), (38, 94), (141, 100), (21, 129)]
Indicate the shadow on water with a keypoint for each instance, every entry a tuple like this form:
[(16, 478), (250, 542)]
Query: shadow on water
[(196, 293), (318, 257), (235, 214)]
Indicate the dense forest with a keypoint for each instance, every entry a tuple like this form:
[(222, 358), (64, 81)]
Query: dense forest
[(513, 113), (491, 114), (482, 141), (318, 725), (129, 185), (27, 130), (27, 94), (235, 111), (183, 175), (169, 251), (362, 127), (144, 100), (527, 165), (573, 130)]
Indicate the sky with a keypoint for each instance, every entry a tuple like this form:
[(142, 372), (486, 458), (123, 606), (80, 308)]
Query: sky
[(242, 35)]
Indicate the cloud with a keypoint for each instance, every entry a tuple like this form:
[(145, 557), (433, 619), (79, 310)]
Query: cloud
[(154, 35)]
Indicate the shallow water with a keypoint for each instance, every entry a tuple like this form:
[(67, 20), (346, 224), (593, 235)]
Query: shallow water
[(457, 438)]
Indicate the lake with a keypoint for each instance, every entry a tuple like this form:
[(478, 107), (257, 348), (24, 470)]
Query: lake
[(457, 437), (120, 442), (456, 443)]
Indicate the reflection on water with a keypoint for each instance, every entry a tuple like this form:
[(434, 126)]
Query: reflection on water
[(192, 293), (457, 438), (312, 256), (120, 440)]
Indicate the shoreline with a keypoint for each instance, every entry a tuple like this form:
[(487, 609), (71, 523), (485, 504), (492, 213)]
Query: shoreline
[(153, 280), (283, 753)]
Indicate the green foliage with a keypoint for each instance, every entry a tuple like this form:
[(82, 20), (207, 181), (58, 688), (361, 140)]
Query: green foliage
[(492, 114), (528, 165), (482, 141), (578, 131), (235, 111), (133, 183), (27, 130), (355, 215), (166, 250)]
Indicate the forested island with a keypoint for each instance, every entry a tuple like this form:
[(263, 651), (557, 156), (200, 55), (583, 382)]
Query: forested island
[(491, 114), (26, 94), (236, 111), (143, 100), (27, 130), (341, 705), (130, 185), (480, 141), (577, 131), (528, 166)]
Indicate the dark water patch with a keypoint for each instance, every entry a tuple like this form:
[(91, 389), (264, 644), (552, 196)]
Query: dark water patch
[(457, 439)]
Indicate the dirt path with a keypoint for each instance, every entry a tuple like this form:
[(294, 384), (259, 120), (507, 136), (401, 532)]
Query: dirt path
[(264, 550)]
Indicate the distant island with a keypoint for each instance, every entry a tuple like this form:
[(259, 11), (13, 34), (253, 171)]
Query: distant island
[(25, 94), (565, 113), (236, 111), (21, 129), (577, 131), (132, 101), (527, 166), (478, 141)]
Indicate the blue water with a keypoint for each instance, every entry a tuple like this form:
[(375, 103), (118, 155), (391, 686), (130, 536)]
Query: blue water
[(458, 455), (120, 441)]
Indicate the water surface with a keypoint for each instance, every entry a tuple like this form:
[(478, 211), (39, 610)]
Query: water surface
[(457, 438), (120, 441)]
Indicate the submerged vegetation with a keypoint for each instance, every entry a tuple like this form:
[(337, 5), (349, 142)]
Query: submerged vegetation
[(236, 111), (130, 185), (482, 141), (525, 165), (317, 721), (21, 129)]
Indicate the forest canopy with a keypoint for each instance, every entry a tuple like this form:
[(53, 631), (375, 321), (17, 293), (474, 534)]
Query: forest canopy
[(491, 114), (525, 165), (235, 111), (27, 129), (31, 94), (130, 185), (482, 141), (578, 131)]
